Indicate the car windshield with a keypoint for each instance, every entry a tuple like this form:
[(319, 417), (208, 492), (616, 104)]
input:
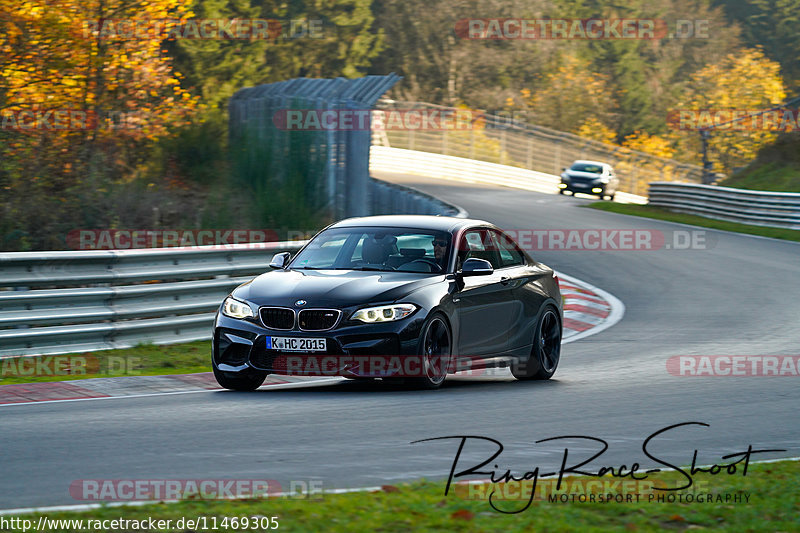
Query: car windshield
[(587, 167), (376, 249)]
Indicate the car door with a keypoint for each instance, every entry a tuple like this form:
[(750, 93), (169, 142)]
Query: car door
[(524, 300), (483, 304)]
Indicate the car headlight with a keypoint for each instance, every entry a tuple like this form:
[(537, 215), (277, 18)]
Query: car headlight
[(236, 309), (384, 313)]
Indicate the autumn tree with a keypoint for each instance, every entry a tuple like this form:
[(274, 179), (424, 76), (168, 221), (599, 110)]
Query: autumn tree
[(119, 93), (744, 81), (570, 94), (775, 25), (305, 39)]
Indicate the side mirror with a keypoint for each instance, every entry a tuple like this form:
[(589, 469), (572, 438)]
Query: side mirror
[(280, 260), (476, 267)]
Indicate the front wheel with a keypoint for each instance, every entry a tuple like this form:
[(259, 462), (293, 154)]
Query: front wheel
[(435, 349), (546, 350), (246, 382)]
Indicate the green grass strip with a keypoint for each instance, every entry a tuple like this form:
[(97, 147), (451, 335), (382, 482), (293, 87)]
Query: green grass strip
[(421, 506), (141, 360)]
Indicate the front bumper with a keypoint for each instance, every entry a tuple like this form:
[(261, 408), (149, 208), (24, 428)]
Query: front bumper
[(585, 188), (240, 346)]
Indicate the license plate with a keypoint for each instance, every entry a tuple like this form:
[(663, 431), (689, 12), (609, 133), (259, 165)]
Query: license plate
[(296, 344)]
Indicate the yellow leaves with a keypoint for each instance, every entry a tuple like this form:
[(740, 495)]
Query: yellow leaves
[(60, 65), (745, 81), (651, 144), (596, 130), (565, 96)]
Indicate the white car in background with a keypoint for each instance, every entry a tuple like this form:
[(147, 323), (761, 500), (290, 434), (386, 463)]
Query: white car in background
[(589, 177)]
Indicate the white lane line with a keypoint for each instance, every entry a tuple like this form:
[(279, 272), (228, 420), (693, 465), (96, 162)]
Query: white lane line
[(106, 397), (92, 506), (295, 385)]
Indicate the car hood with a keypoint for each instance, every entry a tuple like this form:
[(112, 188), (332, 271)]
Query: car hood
[(331, 288), (579, 174)]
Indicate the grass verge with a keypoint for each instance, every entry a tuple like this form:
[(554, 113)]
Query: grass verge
[(695, 220), (778, 177), (422, 506), (141, 360)]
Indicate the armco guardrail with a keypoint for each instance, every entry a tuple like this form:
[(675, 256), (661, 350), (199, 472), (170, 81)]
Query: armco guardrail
[(760, 208), (74, 301), (178, 292)]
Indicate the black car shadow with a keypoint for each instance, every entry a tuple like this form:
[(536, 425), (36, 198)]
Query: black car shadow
[(375, 386)]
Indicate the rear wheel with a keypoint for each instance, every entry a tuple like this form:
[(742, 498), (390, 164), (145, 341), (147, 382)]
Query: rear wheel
[(546, 350), (435, 349), (245, 382)]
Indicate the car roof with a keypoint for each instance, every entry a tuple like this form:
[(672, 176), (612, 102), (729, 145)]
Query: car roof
[(587, 162), (438, 223)]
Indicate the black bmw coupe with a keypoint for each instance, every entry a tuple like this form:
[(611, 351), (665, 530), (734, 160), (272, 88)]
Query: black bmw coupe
[(409, 298)]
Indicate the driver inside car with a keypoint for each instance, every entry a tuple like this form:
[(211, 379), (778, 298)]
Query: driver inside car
[(440, 251)]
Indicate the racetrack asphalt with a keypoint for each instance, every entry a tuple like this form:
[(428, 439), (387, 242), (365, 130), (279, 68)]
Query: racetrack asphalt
[(738, 296)]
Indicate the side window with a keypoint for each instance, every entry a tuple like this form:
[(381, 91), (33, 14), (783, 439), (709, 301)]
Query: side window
[(478, 243), (509, 254), (475, 242)]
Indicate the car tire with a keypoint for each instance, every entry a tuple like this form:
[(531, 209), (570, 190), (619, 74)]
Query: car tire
[(546, 349), (246, 382), (435, 349)]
